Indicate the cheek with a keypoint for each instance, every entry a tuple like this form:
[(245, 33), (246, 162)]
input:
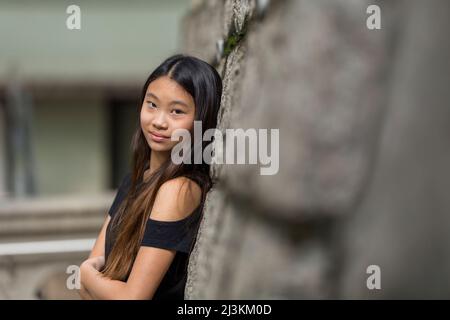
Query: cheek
[(145, 117), (188, 124), (184, 123)]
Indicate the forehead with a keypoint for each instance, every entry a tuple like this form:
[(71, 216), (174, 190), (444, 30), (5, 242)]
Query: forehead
[(167, 89)]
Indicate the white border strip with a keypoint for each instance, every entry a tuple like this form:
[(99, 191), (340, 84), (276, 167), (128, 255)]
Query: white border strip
[(40, 247)]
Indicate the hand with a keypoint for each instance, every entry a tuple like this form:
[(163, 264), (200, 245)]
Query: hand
[(86, 267), (96, 262)]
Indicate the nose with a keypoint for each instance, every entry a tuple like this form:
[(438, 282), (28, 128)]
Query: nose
[(159, 121)]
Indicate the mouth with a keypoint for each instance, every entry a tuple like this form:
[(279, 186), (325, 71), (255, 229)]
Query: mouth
[(157, 137)]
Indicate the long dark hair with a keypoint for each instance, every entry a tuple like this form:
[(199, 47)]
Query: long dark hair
[(204, 84)]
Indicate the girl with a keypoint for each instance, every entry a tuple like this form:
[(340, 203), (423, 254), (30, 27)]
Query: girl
[(143, 248)]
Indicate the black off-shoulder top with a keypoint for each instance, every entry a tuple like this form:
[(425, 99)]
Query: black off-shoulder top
[(173, 235)]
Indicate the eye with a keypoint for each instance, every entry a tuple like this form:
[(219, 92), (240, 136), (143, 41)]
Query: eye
[(178, 111), (151, 104)]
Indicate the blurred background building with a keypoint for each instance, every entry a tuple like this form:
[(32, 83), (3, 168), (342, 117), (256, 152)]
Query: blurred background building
[(68, 108)]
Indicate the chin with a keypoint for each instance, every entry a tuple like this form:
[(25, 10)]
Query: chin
[(162, 147)]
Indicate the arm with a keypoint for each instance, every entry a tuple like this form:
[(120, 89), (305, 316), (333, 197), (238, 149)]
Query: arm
[(97, 250), (151, 264), (148, 270), (84, 294), (99, 246)]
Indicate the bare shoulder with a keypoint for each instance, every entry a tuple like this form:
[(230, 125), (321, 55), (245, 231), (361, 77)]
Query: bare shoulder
[(176, 199)]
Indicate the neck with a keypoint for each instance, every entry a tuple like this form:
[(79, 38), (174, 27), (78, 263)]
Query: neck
[(156, 160)]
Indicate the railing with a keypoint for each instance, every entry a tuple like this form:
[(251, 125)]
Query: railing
[(42, 247), (41, 237)]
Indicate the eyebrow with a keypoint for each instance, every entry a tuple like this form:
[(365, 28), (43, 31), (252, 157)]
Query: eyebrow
[(149, 94)]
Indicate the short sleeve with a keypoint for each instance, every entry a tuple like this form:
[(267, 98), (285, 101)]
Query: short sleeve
[(172, 235), (120, 195)]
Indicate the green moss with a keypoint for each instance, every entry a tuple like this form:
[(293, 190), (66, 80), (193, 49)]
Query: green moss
[(234, 38)]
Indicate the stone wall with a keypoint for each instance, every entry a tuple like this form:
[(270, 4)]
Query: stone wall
[(364, 122)]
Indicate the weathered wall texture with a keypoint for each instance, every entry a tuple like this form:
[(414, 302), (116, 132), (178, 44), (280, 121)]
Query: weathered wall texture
[(364, 122)]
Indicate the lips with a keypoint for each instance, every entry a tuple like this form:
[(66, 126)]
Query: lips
[(158, 137)]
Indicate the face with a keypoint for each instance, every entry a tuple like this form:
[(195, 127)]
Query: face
[(166, 107)]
